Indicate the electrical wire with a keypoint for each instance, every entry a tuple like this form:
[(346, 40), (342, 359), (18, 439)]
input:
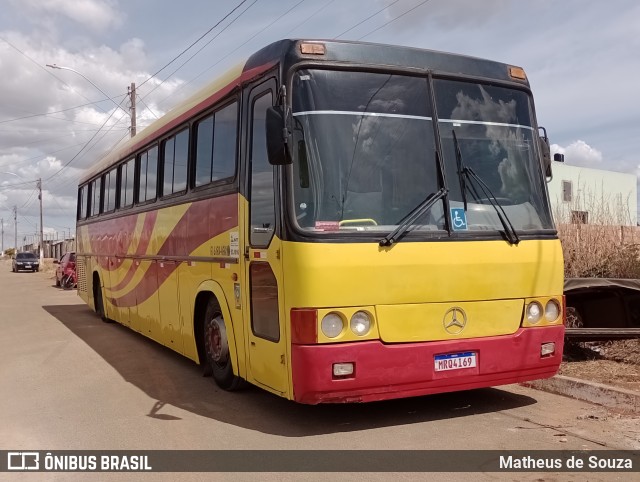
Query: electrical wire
[(149, 108), (82, 149), (198, 51), (363, 21), (29, 199), (48, 114), (42, 68), (310, 17), (394, 19), (233, 51), (195, 42)]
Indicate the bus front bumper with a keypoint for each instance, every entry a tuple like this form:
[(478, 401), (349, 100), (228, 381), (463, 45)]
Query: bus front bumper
[(385, 371)]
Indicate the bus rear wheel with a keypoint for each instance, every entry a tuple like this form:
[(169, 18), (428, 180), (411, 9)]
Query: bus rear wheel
[(216, 347)]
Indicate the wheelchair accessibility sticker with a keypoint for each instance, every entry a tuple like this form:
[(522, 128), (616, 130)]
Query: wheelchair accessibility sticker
[(458, 219)]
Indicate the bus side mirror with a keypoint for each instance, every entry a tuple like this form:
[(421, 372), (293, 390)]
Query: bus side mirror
[(545, 151), (558, 157), (277, 137)]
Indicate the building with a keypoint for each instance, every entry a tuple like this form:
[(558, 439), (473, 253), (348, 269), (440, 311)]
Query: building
[(582, 195)]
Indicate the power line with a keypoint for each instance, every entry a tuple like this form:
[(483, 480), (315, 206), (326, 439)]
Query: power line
[(199, 50), (28, 199), (310, 17), (71, 121), (148, 108), (394, 19), (234, 50), (363, 21), (82, 149), (10, 186), (195, 42), (41, 67), (48, 114)]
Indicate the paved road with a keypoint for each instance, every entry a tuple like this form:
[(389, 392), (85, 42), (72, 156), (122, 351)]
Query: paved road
[(70, 381)]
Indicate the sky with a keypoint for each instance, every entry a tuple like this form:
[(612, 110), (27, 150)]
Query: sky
[(582, 60)]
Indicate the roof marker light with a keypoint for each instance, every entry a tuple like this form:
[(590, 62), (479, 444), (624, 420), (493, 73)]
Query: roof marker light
[(312, 49), (517, 73)]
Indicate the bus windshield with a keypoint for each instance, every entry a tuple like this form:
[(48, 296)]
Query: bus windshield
[(365, 152)]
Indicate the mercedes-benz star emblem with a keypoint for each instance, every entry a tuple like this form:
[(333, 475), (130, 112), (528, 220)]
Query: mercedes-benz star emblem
[(455, 319)]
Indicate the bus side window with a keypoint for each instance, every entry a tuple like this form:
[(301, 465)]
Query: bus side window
[(216, 141), (127, 174), (109, 202), (82, 202), (262, 211), (96, 188), (148, 175), (176, 153)]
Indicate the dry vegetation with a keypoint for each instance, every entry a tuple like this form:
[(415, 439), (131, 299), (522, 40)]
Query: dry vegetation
[(607, 247), (613, 363)]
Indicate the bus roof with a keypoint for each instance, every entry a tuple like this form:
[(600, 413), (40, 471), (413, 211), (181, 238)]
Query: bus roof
[(286, 54)]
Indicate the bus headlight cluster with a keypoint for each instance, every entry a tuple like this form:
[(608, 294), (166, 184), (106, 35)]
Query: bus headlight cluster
[(535, 313), (333, 324)]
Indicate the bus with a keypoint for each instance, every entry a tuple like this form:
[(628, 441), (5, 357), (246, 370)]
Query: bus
[(336, 221)]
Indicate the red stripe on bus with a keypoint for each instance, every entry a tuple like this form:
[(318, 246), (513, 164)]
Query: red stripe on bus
[(190, 233)]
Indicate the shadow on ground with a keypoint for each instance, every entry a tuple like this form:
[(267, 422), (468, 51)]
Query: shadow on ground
[(173, 380)]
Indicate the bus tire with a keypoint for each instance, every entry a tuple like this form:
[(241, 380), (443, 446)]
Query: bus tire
[(216, 348), (97, 299)]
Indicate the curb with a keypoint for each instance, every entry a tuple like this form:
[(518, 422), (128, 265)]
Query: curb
[(598, 393)]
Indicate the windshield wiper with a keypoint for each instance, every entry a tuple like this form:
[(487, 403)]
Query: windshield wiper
[(460, 165), (409, 219), (465, 172)]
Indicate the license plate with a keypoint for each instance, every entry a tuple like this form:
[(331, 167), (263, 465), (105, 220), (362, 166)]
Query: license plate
[(27, 266), (455, 361)]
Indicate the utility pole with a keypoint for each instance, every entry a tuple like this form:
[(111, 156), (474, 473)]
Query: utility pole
[(41, 225), (2, 225), (15, 228), (132, 98)]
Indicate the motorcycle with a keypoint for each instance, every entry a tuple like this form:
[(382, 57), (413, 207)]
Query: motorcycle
[(69, 278)]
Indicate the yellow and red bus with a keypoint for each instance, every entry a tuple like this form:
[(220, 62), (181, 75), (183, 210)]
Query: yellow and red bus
[(334, 222)]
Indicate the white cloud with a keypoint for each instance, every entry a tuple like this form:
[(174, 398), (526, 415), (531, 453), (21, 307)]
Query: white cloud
[(37, 146), (579, 153), (99, 15)]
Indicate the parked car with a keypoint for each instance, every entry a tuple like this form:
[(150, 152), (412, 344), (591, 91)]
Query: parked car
[(26, 262), (66, 269)]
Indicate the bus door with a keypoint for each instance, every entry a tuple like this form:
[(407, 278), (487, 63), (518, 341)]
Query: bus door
[(262, 265)]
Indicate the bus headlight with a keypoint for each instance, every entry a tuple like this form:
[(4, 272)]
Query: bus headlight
[(332, 325), (360, 323), (552, 310), (534, 312)]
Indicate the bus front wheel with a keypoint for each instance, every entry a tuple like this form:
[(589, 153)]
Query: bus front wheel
[(98, 301), (216, 345)]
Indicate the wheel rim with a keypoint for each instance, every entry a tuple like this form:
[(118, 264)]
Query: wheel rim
[(217, 344)]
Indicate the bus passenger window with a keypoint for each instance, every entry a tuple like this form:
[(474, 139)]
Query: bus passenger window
[(224, 143), (176, 152), (96, 187), (262, 191), (126, 183), (82, 202), (109, 191), (216, 145), (148, 175)]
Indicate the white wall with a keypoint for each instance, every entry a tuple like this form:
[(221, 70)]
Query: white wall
[(608, 197)]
